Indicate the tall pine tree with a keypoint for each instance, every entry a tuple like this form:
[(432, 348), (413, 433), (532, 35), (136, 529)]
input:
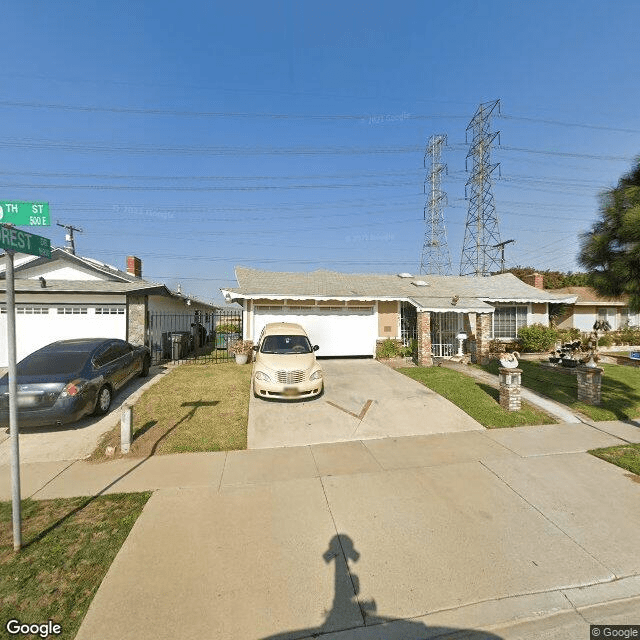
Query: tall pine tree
[(611, 250)]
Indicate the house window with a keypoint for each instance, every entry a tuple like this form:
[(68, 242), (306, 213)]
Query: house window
[(72, 311), (508, 320), (106, 311), (608, 315), (32, 310), (628, 319)]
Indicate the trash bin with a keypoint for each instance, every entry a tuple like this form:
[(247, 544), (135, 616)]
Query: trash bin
[(180, 344), (177, 346)]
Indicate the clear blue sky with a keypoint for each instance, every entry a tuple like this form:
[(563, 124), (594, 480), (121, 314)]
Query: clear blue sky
[(291, 136)]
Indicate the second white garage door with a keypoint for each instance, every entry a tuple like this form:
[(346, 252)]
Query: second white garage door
[(338, 332)]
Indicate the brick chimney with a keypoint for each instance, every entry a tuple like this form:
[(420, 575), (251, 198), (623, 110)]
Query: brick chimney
[(535, 280), (134, 266)]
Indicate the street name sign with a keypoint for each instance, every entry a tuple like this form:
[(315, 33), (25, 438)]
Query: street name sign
[(32, 214), (12, 239)]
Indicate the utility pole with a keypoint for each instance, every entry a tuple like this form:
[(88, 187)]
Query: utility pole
[(435, 258), (70, 246), (500, 246), (481, 235)]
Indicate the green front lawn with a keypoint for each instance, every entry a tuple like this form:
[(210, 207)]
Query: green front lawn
[(479, 400), (195, 407), (626, 456), (620, 389), (68, 546)]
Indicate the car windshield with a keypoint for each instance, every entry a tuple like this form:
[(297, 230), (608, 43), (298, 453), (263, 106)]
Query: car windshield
[(54, 362), (286, 344)]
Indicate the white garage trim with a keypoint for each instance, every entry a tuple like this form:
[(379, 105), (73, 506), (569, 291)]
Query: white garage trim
[(338, 331)]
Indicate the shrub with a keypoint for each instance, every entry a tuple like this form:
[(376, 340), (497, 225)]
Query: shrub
[(628, 335), (536, 338), (569, 335), (605, 341), (228, 328), (389, 348), (496, 347)]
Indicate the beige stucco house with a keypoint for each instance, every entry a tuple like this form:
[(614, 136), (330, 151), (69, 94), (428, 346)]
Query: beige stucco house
[(348, 314), (589, 307)]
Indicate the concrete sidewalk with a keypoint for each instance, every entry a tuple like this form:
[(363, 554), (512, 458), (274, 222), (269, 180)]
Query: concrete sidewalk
[(415, 537)]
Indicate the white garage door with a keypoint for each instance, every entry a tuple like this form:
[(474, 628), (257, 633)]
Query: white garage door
[(338, 332), (38, 325)]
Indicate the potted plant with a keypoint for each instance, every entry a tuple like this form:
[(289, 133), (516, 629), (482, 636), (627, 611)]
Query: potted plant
[(241, 349)]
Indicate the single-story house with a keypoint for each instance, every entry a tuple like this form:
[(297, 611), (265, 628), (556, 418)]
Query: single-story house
[(348, 314), (590, 306), (69, 296)]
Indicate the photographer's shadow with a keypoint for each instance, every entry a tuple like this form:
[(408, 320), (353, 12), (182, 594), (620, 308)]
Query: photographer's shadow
[(349, 612)]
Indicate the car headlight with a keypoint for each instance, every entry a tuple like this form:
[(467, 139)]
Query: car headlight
[(316, 375), (260, 375)]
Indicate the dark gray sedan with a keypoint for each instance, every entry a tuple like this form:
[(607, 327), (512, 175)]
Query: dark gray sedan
[(69, 379)]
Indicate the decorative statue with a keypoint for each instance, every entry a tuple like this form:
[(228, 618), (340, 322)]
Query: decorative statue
[(509, 360)]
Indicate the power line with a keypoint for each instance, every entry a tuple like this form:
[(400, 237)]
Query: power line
[(561, 123)]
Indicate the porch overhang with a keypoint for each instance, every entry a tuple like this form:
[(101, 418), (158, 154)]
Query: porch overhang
[(453, 304)]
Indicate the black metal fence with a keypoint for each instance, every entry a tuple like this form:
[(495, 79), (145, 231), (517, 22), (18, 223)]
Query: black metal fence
[(200, 336)]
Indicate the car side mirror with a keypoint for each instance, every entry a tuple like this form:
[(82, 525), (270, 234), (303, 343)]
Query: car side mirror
[(315, 347), (255, 347)]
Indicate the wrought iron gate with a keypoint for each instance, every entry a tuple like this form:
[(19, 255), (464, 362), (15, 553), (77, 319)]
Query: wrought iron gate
[(444, 328), (203, 336)]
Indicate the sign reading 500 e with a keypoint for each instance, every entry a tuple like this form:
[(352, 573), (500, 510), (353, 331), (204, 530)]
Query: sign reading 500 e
[(12, 239), (32, 214)]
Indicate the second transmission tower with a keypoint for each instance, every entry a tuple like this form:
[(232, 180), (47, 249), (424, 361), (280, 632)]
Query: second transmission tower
[(480, 256), (436, 258)]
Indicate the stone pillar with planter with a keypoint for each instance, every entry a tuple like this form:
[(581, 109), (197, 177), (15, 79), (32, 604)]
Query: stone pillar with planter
[(424, 339), (483, 337), (510, 388), (589, 384)]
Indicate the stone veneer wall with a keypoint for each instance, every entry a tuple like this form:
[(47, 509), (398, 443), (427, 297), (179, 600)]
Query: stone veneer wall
[(483, 337), (510, 393), (424, 339), (137, 319), (590, 385)]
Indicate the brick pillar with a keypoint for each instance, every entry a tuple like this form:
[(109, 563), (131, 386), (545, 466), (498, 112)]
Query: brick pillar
[(424, 339), (483, 337), (137, 319), (510, 382), (589, 384)]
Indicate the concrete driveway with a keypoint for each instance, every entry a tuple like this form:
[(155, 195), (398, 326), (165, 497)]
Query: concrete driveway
[(363, 399), (78, 439)]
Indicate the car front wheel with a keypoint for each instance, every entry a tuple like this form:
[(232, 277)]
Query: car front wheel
[(104, 401)]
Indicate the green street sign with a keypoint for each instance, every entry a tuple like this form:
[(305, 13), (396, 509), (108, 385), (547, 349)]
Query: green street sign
[(12, 239), (32, 214)]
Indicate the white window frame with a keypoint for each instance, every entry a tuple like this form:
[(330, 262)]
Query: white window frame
[(521, 319), (71, 310)]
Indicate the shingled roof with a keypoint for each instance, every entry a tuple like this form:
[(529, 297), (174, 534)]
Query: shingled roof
[(589, 296), (427, 292)]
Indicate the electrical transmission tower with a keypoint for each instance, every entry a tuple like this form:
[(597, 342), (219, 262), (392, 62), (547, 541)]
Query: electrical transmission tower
[(435, 250), (480, 254)]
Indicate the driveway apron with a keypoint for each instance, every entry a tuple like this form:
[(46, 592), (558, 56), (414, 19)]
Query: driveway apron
[(363, 399)]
